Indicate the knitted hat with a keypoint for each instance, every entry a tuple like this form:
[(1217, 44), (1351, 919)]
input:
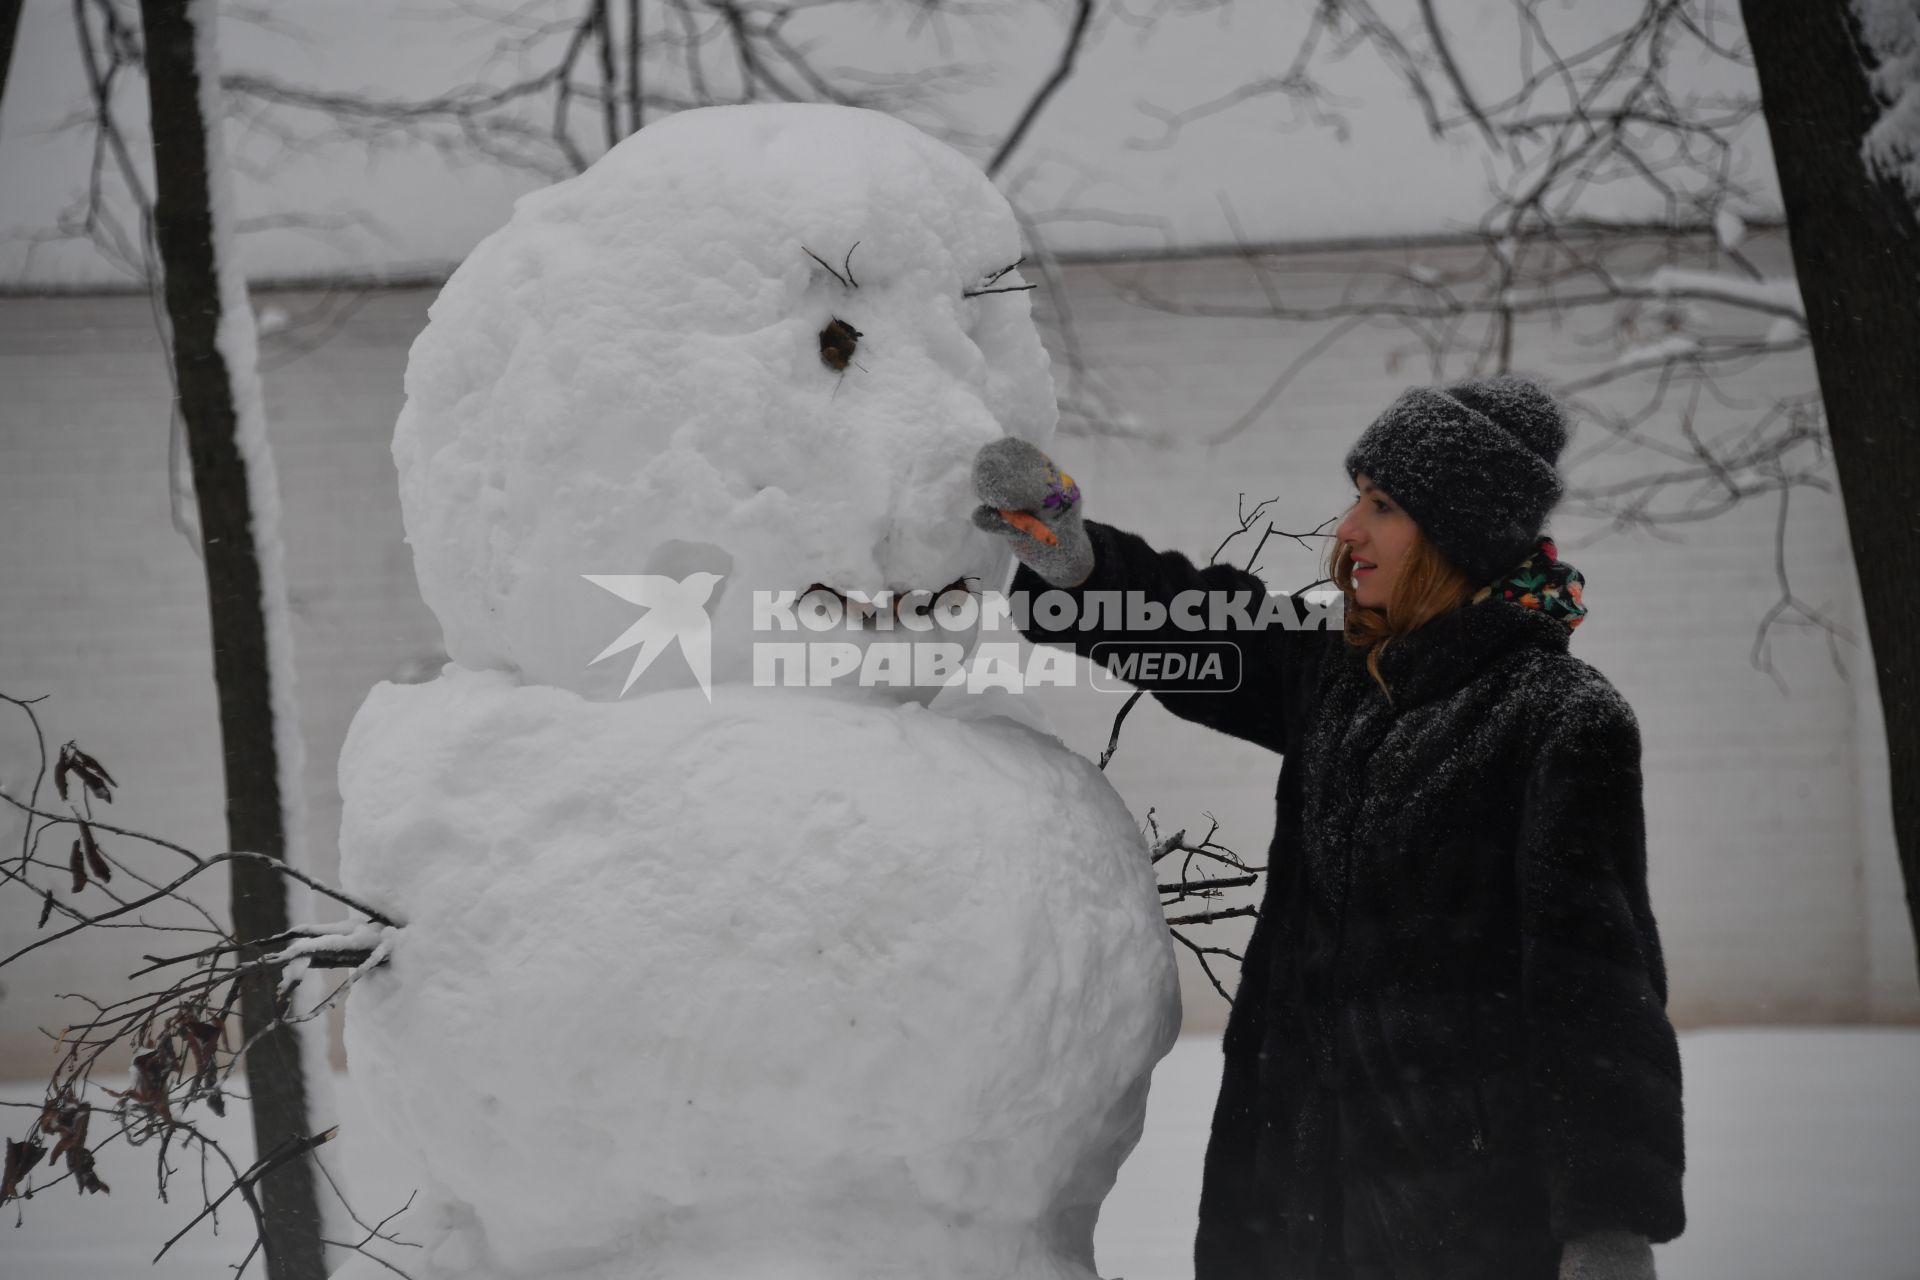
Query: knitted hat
[(1473, 464)]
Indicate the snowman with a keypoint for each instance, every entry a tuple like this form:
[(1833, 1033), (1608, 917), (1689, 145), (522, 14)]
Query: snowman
[(702, 975)]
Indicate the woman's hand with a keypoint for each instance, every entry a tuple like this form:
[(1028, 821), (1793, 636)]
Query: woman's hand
[(1036, 507), (1607, 1255)]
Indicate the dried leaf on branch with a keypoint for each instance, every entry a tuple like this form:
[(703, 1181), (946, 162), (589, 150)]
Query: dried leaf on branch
[(96, 861), (21, 1158), (175, 1026), (84, 767)]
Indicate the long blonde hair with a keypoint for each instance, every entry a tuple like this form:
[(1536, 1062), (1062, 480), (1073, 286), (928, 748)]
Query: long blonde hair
[(1427, 586)]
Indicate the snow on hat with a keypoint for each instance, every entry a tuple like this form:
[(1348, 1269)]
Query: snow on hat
[(1473, 464)]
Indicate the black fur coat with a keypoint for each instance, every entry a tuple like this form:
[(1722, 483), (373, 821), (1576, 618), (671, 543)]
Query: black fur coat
[(1449, 1051)]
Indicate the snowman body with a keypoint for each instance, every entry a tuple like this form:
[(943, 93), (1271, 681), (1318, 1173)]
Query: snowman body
[(706, 978)]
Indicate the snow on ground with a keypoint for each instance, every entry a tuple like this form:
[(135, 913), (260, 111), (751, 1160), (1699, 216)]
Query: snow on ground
[(1803, 1146)]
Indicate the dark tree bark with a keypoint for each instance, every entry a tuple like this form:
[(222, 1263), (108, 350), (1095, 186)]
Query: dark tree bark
[(1856, 250), (9, 32), (184, 220)]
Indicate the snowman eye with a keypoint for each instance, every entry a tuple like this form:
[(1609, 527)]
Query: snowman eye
[(987, 285), (838, 341)]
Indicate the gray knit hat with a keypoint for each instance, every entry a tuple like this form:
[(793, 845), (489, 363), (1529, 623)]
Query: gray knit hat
[(1473, 464)]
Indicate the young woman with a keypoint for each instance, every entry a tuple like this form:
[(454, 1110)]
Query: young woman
[(1449, 1057)]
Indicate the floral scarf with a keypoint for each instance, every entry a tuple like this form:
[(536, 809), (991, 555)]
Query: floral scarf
[(1542, 581)]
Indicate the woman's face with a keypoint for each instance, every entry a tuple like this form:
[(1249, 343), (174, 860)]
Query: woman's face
[(1379, 535)]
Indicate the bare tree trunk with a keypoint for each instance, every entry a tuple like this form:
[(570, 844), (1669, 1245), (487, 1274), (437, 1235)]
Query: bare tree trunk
[(1856, 249), (9, 32), (190, 249), (636, 48)]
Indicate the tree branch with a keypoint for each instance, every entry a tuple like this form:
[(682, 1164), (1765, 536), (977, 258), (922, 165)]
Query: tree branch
[(1069, 52)]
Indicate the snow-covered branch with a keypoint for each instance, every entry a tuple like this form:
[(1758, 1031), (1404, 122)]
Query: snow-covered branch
[(1891, 30), (178, 1021), (1652, 114)]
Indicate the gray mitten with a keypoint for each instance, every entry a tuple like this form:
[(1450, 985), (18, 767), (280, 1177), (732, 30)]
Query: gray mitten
[(1036, 507), (1607, 1255)]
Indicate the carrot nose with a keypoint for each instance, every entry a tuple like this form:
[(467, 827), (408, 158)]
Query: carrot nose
[(1030, 525)]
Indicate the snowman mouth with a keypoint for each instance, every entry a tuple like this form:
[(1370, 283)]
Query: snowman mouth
[(867, 607)]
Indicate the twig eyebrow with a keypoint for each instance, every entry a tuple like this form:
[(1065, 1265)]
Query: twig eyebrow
[(846, 279)]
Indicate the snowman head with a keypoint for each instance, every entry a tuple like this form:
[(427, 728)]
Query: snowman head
[(758, 342)]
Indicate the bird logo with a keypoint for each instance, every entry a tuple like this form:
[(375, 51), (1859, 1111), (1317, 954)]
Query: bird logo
[(676, 609)]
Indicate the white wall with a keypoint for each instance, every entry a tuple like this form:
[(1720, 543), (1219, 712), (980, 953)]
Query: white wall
[(1774, 878)]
